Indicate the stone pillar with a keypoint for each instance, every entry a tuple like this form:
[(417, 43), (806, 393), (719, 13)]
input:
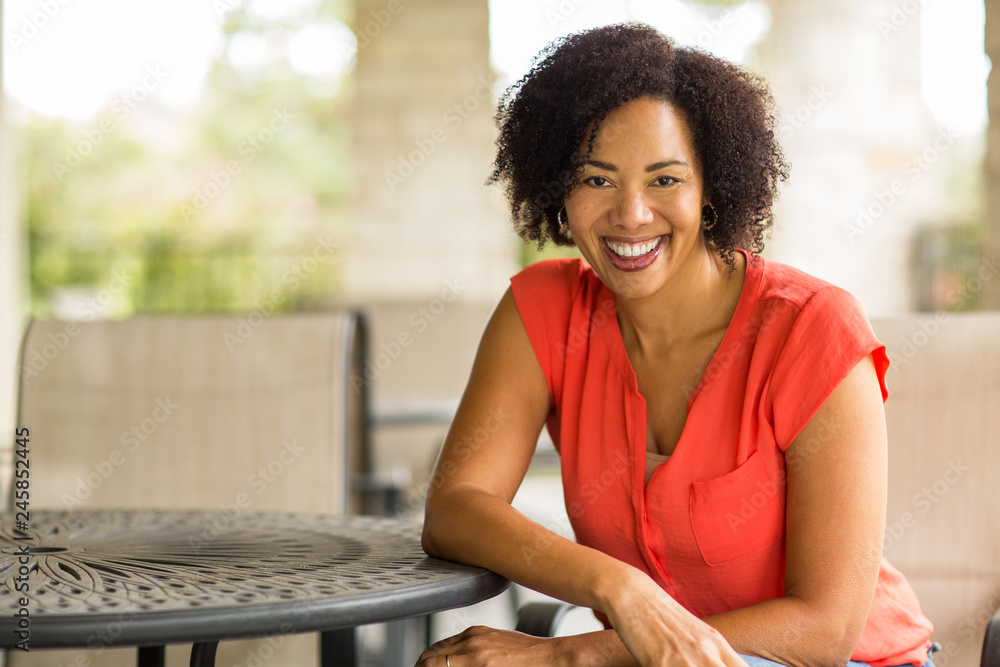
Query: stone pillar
[(423, 220), (429, 246), (991, 288), (865, 170)]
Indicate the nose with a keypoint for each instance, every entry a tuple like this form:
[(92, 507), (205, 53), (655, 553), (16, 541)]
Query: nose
[(631, 210)]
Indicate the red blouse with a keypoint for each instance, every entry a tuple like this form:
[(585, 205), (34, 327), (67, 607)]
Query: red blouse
[(709, 526)]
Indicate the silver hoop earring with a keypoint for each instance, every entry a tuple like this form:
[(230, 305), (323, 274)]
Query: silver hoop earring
[(563, 222), (708, 217)]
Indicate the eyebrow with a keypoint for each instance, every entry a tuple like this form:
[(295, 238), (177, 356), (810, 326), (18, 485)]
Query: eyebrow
[(653, 167)]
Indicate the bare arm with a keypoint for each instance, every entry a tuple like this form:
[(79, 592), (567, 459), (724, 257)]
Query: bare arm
[(469, 519), (835, 515), (482, 463)]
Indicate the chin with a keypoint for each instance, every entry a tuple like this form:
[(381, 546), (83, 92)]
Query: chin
[(638, 285)]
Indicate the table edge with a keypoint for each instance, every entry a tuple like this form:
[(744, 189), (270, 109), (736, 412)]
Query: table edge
[(219, 623)]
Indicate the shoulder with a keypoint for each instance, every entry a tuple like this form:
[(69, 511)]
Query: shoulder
[(557, 275), (816, 334), (550, 290), (556, 300)]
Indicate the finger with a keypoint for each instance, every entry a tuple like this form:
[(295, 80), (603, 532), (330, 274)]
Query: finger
[(437, 658), (448, 641), (470, 631)]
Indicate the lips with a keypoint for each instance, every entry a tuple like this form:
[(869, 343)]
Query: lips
[(637, 249), (633, 255)]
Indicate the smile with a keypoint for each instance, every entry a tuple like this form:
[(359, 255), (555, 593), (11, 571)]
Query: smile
[(633, 249), (633, 256)]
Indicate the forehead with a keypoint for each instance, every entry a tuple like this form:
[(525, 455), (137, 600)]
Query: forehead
[(643, 127)]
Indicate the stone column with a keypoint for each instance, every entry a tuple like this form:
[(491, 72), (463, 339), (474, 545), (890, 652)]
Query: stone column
[(429, 246), (991, 288), (865, 166), (423, 221)]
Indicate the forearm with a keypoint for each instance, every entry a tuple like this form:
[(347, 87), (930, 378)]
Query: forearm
[(518, 548), (784, 630), (649, 624), (603, 648), (787, 630)]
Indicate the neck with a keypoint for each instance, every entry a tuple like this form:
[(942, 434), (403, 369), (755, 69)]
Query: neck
[(699, 299)]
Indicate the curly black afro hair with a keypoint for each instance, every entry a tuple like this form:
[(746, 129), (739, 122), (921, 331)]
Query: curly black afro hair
[(577, 80)]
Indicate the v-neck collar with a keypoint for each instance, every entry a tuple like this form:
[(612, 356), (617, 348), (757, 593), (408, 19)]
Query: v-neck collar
[(616, 344), (650, 542), (619, 356)]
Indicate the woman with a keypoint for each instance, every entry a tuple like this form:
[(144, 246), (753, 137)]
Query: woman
[(718, 416)]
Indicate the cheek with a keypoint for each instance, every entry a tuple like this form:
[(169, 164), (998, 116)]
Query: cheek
[(687, 207), (583, 212), (581, 200)]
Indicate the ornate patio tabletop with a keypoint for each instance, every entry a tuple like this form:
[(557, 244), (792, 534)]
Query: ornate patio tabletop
[(140, 577)]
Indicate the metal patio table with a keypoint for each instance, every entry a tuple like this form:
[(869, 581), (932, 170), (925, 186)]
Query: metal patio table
[(148, 578)]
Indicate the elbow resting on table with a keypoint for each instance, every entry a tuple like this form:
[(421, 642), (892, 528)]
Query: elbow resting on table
[(436, 533), (454, 519), (427, 542)]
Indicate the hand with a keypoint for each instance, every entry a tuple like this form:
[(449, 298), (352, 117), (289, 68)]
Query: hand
[(480, 646), (659, 632)]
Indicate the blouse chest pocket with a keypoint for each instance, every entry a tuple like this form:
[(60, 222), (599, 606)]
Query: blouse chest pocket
[(737, 514)]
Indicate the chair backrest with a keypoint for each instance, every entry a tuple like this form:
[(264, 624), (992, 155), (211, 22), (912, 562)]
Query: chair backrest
[(943, 520), (200, 412), (229, 414)]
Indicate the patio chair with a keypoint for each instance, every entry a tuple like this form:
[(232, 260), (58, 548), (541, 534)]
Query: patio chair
[(183, 412), (943, 518)]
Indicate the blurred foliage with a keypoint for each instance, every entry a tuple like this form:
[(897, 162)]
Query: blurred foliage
[(947, 256), (946, 261), (231, 205), (529, 252)]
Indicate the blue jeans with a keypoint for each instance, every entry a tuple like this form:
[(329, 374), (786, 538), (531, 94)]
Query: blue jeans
[(754, 661)]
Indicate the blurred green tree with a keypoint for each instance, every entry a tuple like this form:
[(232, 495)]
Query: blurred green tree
[(234, 205)]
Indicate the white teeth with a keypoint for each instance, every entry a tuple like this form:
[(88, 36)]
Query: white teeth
[(633, 250)]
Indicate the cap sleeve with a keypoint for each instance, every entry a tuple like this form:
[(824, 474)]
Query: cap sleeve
[(828, 338), (544, 293)]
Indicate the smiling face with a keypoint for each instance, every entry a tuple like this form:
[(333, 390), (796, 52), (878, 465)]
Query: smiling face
[(636, 214)]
